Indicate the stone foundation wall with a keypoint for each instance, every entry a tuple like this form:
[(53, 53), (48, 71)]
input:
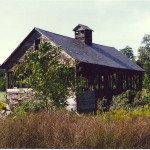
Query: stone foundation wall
[(16, 96)]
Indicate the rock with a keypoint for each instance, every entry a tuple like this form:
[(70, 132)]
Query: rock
[(71, 103)]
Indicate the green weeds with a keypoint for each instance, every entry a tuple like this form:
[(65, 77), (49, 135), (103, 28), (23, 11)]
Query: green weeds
[(2, 96)]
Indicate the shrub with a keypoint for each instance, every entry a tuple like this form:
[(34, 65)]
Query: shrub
[(130, 100), (102, 105), (32, 106), (2, 106), (28, 106), (120, 102), (142, 98)]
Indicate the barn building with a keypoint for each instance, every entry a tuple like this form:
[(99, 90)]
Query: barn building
[(106, 70)]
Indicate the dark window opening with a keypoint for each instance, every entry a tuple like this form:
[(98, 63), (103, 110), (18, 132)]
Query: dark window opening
[(82, 31), (76, 32), (37, 43)]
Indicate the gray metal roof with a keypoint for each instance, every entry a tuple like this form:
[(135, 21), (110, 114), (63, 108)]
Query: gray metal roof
[(95, 54)]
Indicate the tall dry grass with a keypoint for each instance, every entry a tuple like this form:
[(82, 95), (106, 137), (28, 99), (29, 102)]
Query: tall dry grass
[(61, 129)]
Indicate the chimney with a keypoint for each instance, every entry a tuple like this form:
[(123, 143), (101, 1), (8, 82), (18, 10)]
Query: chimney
[(83, 33)]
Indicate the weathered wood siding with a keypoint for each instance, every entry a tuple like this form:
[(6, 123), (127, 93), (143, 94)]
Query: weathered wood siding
[(86, 101), (106, 81)]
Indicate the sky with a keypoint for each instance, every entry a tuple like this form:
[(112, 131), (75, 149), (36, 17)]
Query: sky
[(116, 23)]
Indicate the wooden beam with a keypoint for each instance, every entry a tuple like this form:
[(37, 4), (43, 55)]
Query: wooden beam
[(120, 83), (140, 81), (7, 80)]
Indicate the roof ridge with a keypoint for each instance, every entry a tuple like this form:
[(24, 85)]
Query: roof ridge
[(37, 29), (66, 36), (96, 54)]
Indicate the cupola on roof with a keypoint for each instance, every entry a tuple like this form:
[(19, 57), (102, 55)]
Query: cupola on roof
[(83, 33), (81, 27)]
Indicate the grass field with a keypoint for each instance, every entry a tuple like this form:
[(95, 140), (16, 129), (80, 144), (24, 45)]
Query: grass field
[(2, 96)]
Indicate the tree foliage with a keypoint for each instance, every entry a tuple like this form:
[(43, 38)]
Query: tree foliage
[(144, 59), (144, 54), (127, 51), (45, 71)]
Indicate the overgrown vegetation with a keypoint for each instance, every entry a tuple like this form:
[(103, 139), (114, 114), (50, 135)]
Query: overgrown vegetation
[(126, 125), (61, 129), (28, 107), (2, 96), (2, 106), (130, 100), (144, 59)]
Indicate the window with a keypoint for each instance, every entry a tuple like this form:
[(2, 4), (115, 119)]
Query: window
[(37, 43), (82, 31), (77, 32)]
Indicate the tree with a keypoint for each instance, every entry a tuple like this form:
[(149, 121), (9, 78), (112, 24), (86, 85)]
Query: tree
[(144, 54), (144, 58), (48, 73), (127, 51)]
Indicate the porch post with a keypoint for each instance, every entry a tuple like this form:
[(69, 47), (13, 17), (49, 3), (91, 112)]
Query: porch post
[(7, 80)]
